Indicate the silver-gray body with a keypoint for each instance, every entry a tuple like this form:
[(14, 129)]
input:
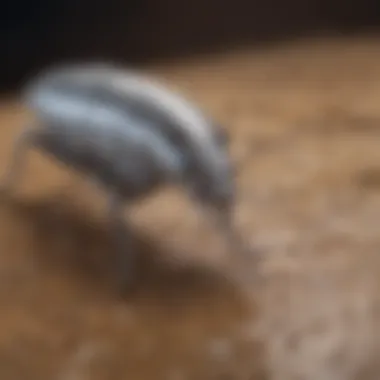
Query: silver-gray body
[(125, 140), (113, 146)]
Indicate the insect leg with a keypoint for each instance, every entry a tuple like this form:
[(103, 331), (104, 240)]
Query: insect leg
[(25, 140), (122, 239)]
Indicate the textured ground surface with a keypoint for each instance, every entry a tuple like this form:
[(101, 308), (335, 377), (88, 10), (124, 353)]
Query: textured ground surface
[(305, 127)]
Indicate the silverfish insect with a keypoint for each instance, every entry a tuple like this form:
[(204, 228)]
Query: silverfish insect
[(129, 135)]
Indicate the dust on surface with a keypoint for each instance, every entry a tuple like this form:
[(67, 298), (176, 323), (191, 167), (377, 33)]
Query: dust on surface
[(304, 121)]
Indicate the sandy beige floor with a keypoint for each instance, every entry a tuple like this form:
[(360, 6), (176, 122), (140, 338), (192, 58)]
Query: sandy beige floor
[(305, 126)]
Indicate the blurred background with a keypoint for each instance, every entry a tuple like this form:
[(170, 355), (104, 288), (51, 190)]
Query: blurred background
[(139, 31), (297, 85)]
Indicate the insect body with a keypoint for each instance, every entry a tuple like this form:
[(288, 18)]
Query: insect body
[(128, 134)]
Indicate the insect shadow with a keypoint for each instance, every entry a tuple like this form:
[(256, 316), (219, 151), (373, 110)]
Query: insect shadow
[(67, 240)]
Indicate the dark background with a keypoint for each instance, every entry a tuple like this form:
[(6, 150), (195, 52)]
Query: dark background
[(37, 33)]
